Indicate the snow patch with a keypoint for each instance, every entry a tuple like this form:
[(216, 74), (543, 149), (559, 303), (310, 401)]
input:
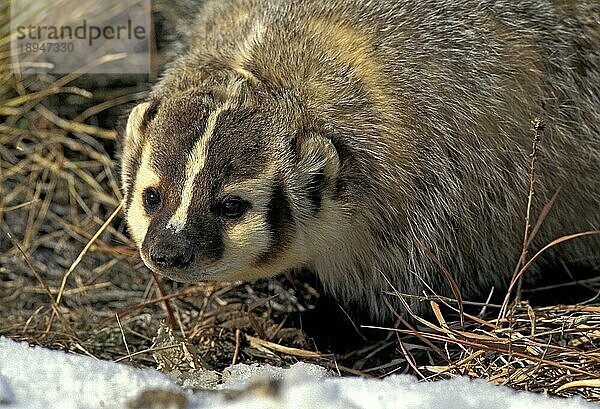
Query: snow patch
[(41, 378), (34, 377), (240, 375)]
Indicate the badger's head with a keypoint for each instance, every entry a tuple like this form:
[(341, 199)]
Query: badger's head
[(223, 185)]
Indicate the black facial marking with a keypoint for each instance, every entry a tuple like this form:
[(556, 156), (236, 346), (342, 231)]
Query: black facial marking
[(206, 235), (174, 132), (241, 155), (280, 221)]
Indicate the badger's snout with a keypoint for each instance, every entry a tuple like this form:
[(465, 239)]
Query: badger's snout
[(172, 256), (169, 251), (190, 254)]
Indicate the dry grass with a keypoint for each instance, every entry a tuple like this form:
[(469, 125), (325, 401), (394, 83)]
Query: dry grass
[(70, 278), (549, 349)]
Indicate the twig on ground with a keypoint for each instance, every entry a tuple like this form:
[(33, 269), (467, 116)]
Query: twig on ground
[(537, 125), (123, 335), (77, 261)]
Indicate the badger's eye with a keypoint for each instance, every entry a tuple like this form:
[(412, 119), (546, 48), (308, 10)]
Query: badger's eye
[(233, 207), (152, 199)]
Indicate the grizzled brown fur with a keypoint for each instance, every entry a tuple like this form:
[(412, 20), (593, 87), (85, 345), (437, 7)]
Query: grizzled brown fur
[(352, 131)]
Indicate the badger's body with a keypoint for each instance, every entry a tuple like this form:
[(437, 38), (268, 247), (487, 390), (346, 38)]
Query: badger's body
[(353, 138)]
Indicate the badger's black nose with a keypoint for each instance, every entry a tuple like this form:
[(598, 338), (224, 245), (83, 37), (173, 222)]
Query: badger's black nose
[(178, 254)]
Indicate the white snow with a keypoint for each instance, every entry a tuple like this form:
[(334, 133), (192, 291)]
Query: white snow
[(34, 377)]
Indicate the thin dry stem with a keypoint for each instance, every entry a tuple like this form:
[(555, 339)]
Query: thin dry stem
[(537, 125)]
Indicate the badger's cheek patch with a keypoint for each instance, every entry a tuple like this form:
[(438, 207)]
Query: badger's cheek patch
[(137, 217), (138, 222), (246, 239)]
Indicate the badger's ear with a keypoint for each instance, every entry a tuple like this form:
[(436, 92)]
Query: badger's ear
[(133, 131), (130, 142), (317, 155), (316, 171)]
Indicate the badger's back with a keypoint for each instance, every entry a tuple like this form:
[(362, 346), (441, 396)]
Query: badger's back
[(429, 104)]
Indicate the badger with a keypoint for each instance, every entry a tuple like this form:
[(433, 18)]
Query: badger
[(373, 143)]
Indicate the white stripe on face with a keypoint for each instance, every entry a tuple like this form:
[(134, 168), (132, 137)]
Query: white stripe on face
[(193, 167)]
